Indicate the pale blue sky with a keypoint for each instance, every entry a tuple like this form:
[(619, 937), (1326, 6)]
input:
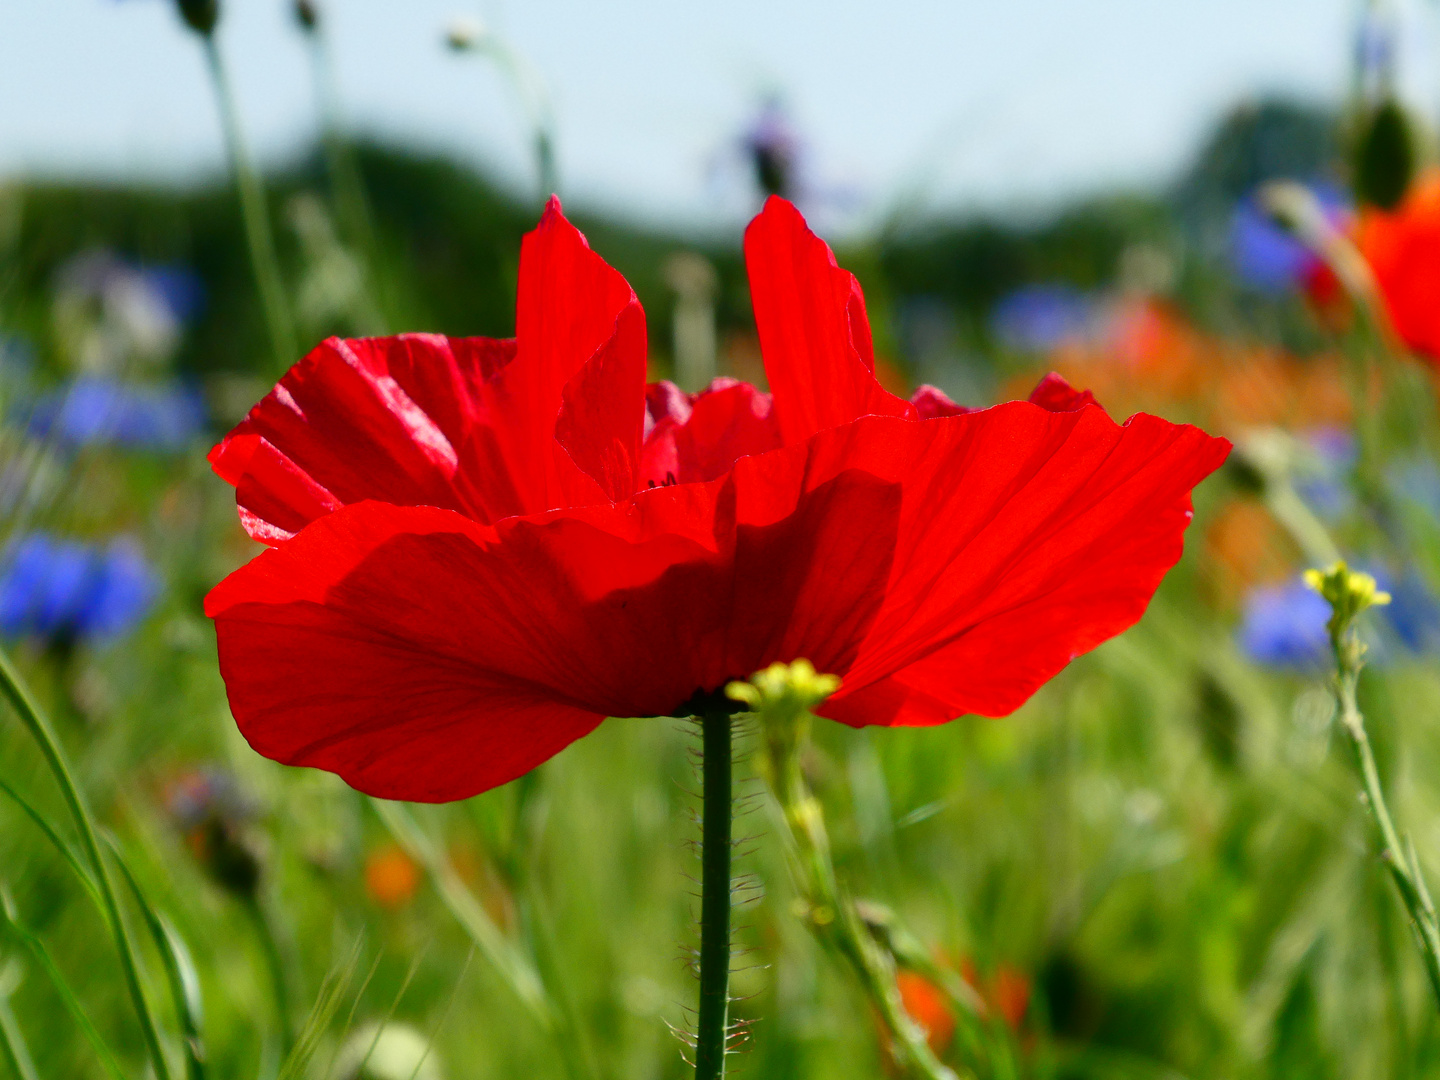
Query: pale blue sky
[(1010, 102)]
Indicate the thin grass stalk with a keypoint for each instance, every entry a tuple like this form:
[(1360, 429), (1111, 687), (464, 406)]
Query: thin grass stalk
[(34, 720), (180, 971), (37, 948), (259, 236), (274, 970), (61, 845), (12, 1040), (513, 965), (347, 186)]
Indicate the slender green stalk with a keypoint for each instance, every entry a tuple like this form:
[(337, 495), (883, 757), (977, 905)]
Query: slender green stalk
[(347, 187), (259, 236), (1350, 593), (12, 1041), (37, 948), (14, 691), (86, 878), (180, 970), (1397, 854), (275, 969), (717, 732), (782, 697)]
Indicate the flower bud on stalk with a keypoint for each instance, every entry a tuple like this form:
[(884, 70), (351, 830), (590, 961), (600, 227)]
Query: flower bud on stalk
[(307, 15), (1349, 593), (200, 15)]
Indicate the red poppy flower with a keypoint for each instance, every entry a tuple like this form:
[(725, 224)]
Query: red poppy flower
[(1403, 249), (483, 548)]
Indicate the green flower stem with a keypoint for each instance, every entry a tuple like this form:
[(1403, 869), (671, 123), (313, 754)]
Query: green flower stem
[(14, 691), (711, 1032), (832, 914), (1349, 593), (1398, 856), (347, 187), (258, 234)]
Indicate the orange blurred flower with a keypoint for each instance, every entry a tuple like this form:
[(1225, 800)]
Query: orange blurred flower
[(929, 1007), (391, 876), (1149, 359), (1402, 247), (1246, 547), (1010, 995)]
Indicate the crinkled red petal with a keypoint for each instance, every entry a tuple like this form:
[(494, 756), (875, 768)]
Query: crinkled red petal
[(486, 428), (814, 333)]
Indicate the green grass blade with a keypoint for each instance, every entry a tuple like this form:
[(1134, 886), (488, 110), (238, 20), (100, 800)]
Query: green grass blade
[(12, 1041), (14, 690), (513, 965), (61, 845), (327, 1004), (42, 955), (180, 970)]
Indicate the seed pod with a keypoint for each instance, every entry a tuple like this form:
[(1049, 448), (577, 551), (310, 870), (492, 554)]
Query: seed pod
[(1384, 157), (200, 15)]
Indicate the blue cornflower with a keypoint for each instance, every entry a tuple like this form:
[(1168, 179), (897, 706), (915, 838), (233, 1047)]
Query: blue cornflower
[(69, 590), (1265, 256), (1413, 612), (93, 409), (1418, 481), (1323, 484), (1284, 626), (1036, 318)]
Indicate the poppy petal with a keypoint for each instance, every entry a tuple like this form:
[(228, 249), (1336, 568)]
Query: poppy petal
[(1033, 537), (366, 418), (485, 427), (931, 401), (814, 333), (702, 436), (1054, 393), (581, 365)]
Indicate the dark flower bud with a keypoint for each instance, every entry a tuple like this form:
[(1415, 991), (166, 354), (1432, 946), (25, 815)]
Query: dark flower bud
[(200, 15), (226, 857), (211, 813), (1385, 157), (307, 14)]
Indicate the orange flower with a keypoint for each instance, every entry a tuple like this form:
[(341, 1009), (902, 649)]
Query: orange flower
[(927, 1005), (1403, 249), (1010, 995), (391, 876), (1246, 547)]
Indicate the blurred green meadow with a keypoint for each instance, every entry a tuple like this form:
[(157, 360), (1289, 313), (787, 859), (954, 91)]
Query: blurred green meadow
[(1158, 867)]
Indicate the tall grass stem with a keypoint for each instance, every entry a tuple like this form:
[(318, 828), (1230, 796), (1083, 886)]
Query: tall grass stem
[(34, 720), (275, 970), (259, 236)]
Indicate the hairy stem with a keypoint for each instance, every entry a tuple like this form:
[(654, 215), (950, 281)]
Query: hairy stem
[(715, 851), (39, 728)]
